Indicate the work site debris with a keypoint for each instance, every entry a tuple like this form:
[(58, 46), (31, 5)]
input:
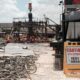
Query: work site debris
[(16, 67)]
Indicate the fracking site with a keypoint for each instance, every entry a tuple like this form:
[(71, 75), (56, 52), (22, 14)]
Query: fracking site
[(34, 49)]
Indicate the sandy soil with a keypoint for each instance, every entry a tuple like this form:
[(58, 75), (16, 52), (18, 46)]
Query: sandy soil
[(45, 63)]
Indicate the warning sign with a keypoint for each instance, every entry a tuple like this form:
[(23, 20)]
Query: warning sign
[(73, 55)]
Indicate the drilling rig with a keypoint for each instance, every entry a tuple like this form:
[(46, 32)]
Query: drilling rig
[(31, 28)]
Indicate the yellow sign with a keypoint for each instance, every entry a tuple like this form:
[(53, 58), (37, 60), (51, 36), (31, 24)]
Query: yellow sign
[(72, 59)]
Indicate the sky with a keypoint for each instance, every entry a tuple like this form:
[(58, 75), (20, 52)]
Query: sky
[(10, 9)]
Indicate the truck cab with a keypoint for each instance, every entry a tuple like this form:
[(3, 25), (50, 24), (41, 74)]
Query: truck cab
[(71, 39)]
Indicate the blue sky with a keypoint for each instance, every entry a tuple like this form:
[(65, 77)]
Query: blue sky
[(22, 4)]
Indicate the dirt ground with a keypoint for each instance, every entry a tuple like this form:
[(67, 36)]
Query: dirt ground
[(45, 63)]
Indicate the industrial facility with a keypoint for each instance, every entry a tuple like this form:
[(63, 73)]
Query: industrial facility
[(41, 49)]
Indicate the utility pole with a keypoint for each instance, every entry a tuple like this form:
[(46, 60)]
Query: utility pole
[(63, 18)]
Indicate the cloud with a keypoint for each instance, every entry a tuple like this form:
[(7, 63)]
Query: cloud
[(50, 8), (49, 2), (9, 10)]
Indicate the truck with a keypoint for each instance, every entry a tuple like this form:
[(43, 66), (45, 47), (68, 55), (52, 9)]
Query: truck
[(67, 46)]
